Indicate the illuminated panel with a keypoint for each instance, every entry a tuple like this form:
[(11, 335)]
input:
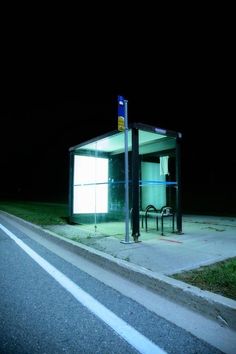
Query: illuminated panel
[(90, 185), (153, 193)]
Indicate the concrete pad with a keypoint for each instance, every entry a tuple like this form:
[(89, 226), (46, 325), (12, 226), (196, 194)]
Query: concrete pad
[(206, 240)]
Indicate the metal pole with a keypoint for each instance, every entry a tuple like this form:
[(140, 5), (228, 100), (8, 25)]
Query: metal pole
[(179, 189), (95, 187), (126, 174)]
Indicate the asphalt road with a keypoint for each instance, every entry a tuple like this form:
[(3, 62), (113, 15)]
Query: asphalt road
[(39, 313)]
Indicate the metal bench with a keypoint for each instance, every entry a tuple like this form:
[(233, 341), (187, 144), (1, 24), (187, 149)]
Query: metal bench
[(152, 212)]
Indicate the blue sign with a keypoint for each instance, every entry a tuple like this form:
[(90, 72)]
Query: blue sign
[(121, 113)]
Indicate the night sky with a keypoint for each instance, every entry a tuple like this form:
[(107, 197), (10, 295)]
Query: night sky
[(54, 98)]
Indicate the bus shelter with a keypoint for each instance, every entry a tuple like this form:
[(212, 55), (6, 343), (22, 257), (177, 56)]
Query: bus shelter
[(97, 180)]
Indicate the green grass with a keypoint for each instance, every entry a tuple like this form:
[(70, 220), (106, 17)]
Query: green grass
[(37, 212), (219, 278)]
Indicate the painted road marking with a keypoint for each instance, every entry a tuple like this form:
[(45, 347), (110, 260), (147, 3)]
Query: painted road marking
[(168, 240), (131, 335)]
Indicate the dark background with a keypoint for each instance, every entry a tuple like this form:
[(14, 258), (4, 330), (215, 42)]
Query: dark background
[(60, 88)]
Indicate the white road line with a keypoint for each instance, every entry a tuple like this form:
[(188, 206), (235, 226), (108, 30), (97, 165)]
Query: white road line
[(131, 335)]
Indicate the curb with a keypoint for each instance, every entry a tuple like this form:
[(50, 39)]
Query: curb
[(213, 306)]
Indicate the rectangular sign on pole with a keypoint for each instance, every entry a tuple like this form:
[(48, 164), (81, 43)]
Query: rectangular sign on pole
[(121, 113)]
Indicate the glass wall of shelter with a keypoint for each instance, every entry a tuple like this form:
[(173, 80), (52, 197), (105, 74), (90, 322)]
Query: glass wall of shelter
[(97, 179)]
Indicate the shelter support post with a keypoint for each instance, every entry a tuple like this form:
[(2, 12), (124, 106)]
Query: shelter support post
[(179, 187), (135, 185)]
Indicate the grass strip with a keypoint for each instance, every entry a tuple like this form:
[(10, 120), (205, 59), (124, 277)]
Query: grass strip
[(219, 278), (39, 213)]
